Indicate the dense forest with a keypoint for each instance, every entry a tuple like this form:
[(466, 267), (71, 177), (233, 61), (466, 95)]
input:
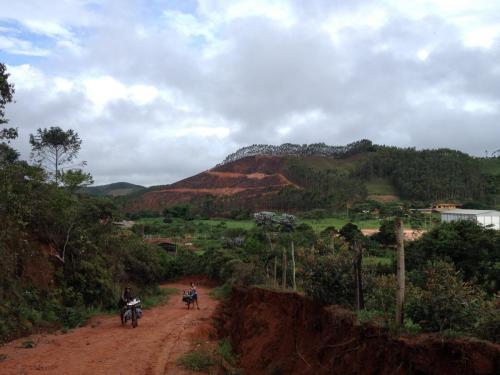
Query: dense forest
[(288, 149), (432, 175), (418, 177)]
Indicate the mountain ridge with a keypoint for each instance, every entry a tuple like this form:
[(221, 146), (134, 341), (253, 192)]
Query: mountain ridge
[(301, 178)]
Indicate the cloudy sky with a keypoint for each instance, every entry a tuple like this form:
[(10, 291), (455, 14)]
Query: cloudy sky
[(162, 89)]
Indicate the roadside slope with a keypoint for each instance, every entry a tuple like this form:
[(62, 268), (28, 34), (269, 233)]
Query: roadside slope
[(287, 333), (105, 347)]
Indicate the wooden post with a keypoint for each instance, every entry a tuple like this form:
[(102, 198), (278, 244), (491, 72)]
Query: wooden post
[(275, 268), (400, 256), (271, 248), (333, 243), (283, 277), (293, 268), (358, 249)]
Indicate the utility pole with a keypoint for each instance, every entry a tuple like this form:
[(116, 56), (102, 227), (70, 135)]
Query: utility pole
[(275, 284), (400, 256), (358, 260), (293, 269), (283, 277)]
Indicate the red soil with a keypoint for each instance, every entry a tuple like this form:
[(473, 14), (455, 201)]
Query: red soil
[(409, 234), (285, 333), (242, 179), (105, 347)]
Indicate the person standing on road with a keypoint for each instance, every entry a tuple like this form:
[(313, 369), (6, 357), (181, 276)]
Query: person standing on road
[(194, 295)]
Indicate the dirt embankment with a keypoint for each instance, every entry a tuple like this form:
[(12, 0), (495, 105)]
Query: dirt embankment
[(285, 333)]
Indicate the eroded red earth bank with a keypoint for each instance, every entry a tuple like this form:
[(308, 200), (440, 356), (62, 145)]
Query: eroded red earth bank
[(286, 333)]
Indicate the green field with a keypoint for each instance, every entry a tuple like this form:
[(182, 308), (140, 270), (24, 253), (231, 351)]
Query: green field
[(244, 224), (320, 224), (317, 224)]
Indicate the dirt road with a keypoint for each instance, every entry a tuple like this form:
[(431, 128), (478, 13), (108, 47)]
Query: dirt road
[(105, 347)]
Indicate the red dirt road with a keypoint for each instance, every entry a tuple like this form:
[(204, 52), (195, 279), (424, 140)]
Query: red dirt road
[(105, 347)]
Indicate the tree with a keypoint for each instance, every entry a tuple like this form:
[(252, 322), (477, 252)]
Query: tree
[(6, 92), (386, 235), (55, 147), (473, 249), (75, 178), (355, 238)]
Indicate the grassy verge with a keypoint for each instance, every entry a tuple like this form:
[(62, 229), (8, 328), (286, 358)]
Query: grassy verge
[(372, 260), (158, 297), (206, 358), (199, 360), (320, 224), (222, 292), (225, 351)]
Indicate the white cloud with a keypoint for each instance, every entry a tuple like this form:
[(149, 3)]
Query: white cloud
[(18, 46)]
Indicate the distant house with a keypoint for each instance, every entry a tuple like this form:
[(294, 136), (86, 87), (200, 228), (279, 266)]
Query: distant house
[(483, 217), (440, 207)]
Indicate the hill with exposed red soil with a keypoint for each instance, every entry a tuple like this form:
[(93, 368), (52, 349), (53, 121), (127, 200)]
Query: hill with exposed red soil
[(286, 333), (241, 180)]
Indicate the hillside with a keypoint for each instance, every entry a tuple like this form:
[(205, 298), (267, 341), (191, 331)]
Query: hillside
[(115, 189), (301, 178), (244, 180)]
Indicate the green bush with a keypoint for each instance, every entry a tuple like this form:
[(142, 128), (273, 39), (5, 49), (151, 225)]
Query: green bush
[(330, 279), (222, 292), (444, 302), (488, 325)]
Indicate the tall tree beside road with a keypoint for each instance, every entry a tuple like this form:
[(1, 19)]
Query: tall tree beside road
[(55, 147)]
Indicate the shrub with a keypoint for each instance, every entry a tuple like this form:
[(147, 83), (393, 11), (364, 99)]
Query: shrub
[(382, 297), (222, 292), (445, 302), (330, 279), (488, 326)]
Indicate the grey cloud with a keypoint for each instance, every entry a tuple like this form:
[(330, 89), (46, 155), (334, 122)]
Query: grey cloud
[(268, 76)]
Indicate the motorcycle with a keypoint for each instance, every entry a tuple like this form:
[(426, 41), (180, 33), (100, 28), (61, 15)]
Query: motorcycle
[(133, 312), (187, 298)]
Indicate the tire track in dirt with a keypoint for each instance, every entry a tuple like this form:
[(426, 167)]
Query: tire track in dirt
[(105, 347)]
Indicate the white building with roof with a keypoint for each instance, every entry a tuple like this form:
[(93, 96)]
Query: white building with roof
[(483, 217)]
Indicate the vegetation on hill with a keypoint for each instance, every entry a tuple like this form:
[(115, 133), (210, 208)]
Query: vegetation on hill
[(336, 180), (114, 190), (288, 149)]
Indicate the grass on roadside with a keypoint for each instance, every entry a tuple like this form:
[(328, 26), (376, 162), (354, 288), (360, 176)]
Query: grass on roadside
[(222, 292), (199, 360), (225, 350), (158, 297)]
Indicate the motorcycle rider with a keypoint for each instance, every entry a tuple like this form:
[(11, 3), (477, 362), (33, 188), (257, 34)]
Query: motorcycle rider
[(194, 295), (125, 297)]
